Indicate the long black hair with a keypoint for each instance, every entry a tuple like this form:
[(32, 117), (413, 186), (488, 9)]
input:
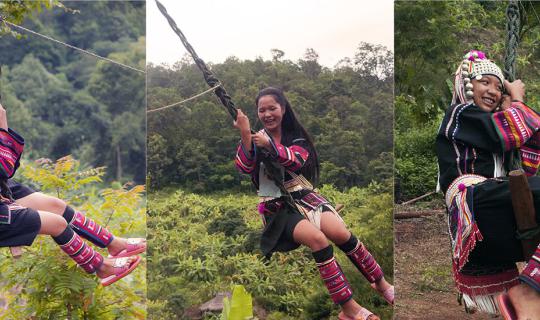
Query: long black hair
[(291, 129)]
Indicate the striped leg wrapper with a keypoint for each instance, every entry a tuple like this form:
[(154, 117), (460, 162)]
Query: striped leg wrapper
[(362, 259), (333, 277), (72, 244), (531, 274), (90, 230)]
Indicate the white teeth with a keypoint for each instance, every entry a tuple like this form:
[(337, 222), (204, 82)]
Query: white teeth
[(488, 100)]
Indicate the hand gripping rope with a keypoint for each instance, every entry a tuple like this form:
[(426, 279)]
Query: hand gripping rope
[(215, 84)]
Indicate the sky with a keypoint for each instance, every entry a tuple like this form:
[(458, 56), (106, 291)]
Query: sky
[(248, 29)]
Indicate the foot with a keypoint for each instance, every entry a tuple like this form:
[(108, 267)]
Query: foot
[(385, 289), (121, 247), (115, 269), (526, 301), (362, 314), (351, 310)]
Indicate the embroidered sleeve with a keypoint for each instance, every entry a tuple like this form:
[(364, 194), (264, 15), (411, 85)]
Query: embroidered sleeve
[(497, 132), (291, 158), (530, 155), (516, 125), (245, 161), (11, 148)]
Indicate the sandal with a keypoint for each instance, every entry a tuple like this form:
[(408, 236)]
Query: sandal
[(505, 307), (121, 269), (387, 294), (133, 246), (363, 314)]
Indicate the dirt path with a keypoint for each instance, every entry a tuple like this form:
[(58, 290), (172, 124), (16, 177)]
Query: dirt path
[(422, 271)]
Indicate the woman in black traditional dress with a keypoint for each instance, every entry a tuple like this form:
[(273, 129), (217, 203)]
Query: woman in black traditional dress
[(20, 225), (486, 125), (306, 218)]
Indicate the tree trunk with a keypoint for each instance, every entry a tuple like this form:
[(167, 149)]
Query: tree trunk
[(118, 164), (69, 310)]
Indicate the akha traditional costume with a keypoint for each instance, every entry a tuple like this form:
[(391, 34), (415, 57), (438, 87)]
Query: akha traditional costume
[(475, 150), (280, 218)]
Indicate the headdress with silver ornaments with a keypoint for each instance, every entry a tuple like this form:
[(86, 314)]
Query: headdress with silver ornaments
[(475, 64)]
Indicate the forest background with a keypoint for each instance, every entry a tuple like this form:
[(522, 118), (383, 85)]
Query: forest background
[(198, 199), (67, 104)]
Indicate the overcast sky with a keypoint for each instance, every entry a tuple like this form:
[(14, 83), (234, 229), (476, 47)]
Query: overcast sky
[(218, 29)]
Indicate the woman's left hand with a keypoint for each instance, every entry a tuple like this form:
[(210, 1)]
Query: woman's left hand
[(261, 140)]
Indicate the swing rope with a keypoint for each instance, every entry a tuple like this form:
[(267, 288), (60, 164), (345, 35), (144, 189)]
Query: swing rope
[(512, 42), (272, 169), (183, 101), (70, 46), (209, 77), (512, 39)]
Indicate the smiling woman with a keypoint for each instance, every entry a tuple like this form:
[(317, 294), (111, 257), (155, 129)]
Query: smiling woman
[(296, 214), (191, 152), (487, 92), (476, 144)]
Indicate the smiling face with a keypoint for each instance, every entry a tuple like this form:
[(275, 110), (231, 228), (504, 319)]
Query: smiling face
[(270, 113), (487, 92)]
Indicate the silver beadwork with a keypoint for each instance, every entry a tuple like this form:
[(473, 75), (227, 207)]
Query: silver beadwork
[(469, 86), (469, 94)]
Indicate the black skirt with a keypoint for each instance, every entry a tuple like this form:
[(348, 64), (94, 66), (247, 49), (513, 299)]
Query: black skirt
[(494, 215), (279, 227), (23, 229), (19, 190)]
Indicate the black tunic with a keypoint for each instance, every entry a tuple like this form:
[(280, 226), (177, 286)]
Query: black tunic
[(472, 141)]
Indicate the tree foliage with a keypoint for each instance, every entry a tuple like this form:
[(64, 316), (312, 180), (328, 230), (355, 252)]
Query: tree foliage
[(64, 102), (347, 110), (45, 283), (204, 244)]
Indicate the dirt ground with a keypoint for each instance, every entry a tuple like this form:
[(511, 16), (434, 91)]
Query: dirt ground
[(422, 271)]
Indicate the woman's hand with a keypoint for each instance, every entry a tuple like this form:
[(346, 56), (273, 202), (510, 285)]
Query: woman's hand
[(242, 122), (3, 118), (261, 140), (515, 89), (506, 102)]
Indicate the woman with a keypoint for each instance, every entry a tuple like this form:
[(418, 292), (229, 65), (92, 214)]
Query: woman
[(19, 225), (476, 146), (293, 213)]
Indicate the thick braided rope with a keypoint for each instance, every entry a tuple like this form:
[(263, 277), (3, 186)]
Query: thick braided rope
[(209, 77), (512, 39), (273, 170)]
